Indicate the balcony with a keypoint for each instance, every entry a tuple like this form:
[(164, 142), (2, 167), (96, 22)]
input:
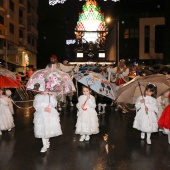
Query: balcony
[(32, 30), (2, 34), (2, 7), (8, 51), (22, 22), (31, 48), (32, 14), (22, 42), (21, 4)]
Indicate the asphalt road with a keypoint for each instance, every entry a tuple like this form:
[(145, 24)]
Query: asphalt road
[(117, 147)]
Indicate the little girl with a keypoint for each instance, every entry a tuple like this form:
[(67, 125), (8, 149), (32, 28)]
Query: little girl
[(164, 121), (8, 94), (146, 113), (6, 119), (87, 120), (46, 119)]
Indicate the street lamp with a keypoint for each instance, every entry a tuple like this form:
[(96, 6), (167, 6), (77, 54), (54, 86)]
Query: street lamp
[(111, 22)]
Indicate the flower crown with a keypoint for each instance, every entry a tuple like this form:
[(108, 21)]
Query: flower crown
[(152, 84)]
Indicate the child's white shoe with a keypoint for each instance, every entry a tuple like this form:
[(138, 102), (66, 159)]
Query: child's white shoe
[(160, 129), (9, 130), (64, 105), (48, 145), (87, 138), (103, 112), (82, 138), (142, 135), (59, 108), (71, 104), (168, 139), (148, 141), (43, 149)]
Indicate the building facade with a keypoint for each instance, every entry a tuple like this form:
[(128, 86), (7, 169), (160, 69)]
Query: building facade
[(18, 33), (140, 31)]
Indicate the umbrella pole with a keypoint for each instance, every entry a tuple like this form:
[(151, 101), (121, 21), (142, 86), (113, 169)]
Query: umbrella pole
[(144, 102), (77, 88)]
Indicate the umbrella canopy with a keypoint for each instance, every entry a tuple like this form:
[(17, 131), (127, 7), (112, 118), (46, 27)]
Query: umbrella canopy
[(130, 91), (7, 73), (96, 82), (51, 80), (91, 68), (7, 82)]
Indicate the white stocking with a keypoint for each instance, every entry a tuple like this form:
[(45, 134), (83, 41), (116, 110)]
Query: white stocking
[(148, 135), (99, 107)]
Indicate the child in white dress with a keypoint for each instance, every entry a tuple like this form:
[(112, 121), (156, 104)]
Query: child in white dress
[(146, 113), (8, 94), (46, 119), (87, 120), (6, 119)]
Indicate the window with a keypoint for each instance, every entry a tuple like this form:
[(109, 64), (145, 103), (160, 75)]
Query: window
[(159, 38), (134, 33), (1, 20), (20, 13), (126, 34), (147, 38), (29, 39), (11, 28), (11, 5), (33, 42), (21, 34), (1, 3)]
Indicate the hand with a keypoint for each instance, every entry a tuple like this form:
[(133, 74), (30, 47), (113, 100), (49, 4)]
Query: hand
[(47, 109), (142, 100), (162, 97), (82, 106), (162, 104), (88, 97), (119, 72), (146, 108)]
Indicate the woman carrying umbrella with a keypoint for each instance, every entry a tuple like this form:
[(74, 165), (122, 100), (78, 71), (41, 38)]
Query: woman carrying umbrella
[(121, 73)]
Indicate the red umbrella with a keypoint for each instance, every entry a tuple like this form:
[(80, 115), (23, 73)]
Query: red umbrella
[(7, 73), (6, 82)]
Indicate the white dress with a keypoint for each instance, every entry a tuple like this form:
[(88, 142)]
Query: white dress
[(161, 105), (6, 118), (87, 120), (46, 124), (146, 122)]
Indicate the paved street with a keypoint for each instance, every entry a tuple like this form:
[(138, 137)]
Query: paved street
[(117, 147)]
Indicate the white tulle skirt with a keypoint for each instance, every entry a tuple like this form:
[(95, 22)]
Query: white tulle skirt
[(6, 118), (47, 125), (146, 122), (87, 123)]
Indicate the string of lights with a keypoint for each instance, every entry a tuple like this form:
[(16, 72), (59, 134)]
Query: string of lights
[(54, 2)]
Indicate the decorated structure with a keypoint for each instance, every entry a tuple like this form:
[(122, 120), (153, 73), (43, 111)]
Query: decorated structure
[(91, 31)]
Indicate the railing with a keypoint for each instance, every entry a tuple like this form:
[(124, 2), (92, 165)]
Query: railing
[(30, 28)]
